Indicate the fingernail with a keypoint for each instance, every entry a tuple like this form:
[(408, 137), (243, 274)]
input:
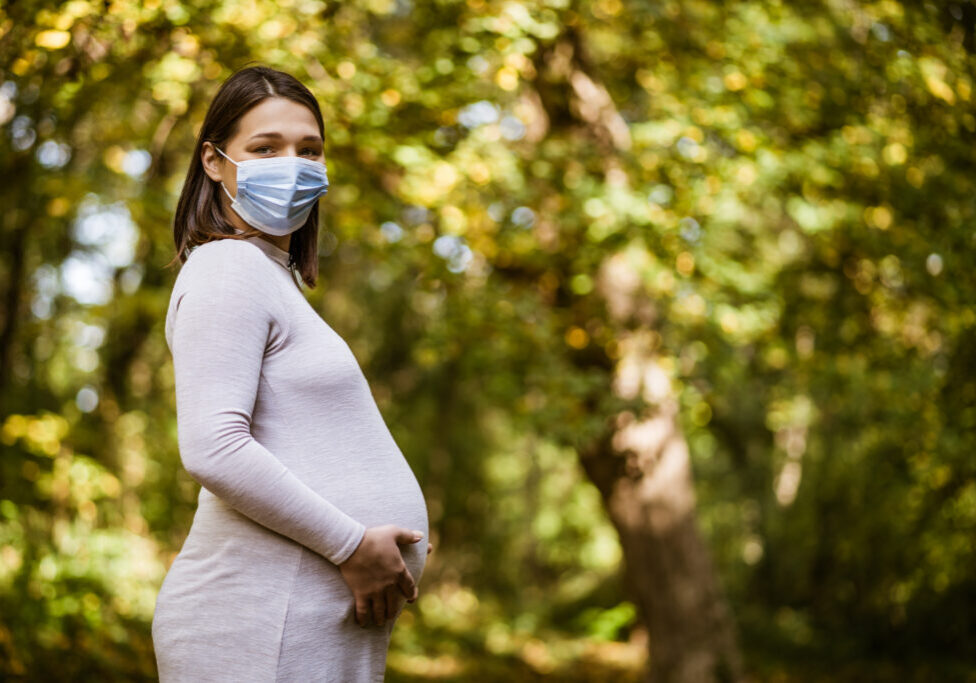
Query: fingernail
[(418, 535)]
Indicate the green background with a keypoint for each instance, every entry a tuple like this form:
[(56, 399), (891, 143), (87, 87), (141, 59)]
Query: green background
[(778, 199)]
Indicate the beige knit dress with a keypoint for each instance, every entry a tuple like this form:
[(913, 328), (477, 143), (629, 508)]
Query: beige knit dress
[(277, 423)]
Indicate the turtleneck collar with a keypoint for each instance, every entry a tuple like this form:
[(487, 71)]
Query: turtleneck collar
[(273, 252)]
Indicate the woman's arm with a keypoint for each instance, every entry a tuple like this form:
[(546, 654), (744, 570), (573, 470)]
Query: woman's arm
[(222, 324)]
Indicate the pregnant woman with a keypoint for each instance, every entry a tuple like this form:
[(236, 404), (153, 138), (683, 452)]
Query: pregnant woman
[(306, 542)]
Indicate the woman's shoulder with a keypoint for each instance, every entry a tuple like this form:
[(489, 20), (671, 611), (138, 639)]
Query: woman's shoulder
[(227, 259), (227, 265), (225, 272)]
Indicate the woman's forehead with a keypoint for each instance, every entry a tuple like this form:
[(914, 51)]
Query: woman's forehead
[(277, 115)]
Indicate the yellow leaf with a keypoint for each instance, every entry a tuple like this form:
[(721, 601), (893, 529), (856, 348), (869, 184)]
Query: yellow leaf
[(934, 72), (735, 81), (52, 40), (507, 78)]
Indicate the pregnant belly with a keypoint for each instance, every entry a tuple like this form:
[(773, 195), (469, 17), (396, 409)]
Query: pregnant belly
[(376, 491), (373, 488), (222, 540)]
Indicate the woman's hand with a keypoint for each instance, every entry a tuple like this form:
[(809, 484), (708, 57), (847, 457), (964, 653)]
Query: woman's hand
[(375, 572)]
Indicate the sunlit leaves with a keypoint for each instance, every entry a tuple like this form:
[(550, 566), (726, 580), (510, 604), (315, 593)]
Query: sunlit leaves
[(790, 229)]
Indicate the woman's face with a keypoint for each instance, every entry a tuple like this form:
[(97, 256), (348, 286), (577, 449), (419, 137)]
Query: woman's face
[(275, 127)]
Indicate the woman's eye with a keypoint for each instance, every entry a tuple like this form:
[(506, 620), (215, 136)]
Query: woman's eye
[(267, 148)]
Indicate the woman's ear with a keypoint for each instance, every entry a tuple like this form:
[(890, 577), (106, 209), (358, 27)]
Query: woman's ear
[(211, 162)]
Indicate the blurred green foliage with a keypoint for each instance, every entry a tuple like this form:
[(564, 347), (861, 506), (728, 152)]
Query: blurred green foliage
[(778, 198)]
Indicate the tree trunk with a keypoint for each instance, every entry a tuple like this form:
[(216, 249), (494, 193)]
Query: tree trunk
[(642, 469), (13, 292)]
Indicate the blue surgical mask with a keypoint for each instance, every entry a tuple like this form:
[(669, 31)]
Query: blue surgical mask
[(276, 194)]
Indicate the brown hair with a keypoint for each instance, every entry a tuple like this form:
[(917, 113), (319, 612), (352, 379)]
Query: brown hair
[(199, 217)]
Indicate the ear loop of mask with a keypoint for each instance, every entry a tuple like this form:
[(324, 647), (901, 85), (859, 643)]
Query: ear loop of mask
[(226, 191)]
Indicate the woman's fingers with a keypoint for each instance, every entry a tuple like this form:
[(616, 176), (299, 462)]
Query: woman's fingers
[(384, 604), (406, 583), (392, 595), (362, 611), (379, 609)]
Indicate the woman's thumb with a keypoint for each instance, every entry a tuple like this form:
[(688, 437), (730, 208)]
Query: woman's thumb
[(408, 536)]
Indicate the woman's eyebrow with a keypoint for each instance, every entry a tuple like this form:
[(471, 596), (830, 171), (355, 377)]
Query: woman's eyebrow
[(314, 138)]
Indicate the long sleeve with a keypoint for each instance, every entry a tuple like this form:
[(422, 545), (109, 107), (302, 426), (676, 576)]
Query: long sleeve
[(225, 319)]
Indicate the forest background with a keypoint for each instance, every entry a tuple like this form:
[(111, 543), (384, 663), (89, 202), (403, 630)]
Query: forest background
[(666, 304)]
